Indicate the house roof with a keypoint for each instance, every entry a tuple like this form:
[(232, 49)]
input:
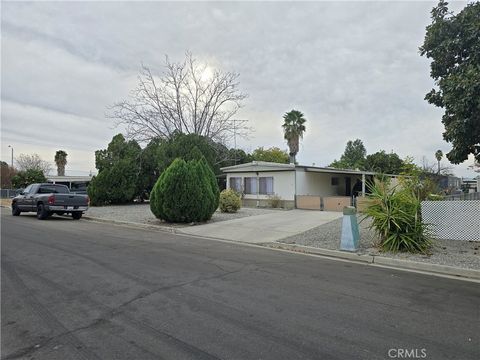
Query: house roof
[(269, 166)]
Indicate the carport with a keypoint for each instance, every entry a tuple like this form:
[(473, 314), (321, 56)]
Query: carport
[(329, 189)]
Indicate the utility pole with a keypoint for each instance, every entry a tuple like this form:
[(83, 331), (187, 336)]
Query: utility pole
[(235, 121), (10, 146)]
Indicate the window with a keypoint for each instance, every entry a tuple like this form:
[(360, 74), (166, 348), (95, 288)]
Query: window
[(334, 181), (236, 184), (28, 189), (250, 185), (79, 187), (56, 189), (266, 185)]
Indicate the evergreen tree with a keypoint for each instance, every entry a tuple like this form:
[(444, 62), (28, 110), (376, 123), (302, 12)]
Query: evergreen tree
[(184, 192), (118, 172), (452, 42)]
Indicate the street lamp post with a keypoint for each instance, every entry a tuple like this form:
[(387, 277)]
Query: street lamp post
[(10, 173), (10, 146)]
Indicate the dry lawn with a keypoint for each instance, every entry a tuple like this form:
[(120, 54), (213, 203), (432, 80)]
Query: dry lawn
[(6, 202)]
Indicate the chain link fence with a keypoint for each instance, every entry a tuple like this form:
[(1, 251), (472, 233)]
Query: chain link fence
[(8, 193), (469, 196), (453, 220)]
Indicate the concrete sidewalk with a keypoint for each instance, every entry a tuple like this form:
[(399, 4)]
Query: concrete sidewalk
[(264, 228)]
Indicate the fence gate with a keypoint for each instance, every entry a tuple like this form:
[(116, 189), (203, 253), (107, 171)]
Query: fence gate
[(453, 220)]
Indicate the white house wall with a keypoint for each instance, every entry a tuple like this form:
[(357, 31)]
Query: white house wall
[(320, 184), (283, 183)]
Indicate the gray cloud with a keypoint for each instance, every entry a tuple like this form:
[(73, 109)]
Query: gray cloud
[(353, 68)]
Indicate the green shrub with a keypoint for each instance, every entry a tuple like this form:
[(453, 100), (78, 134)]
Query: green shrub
[(396, 218), (118, 168), (212, 180), (113, 185), (274, 201), (230, 201), (24, 178), (183, 193)]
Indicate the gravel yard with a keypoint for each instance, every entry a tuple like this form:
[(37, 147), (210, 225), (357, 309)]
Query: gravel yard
[(465, 254), (140, 213)]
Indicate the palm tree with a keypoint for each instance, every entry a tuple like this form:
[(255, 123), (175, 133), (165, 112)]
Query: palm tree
[(61, 161), (439, 156), (293, 129)]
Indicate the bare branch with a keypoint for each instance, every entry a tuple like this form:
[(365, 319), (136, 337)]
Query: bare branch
[(188, 97), (27, 162)]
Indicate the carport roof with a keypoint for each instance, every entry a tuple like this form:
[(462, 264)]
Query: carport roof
[(68, 178), (259, 166), (334, 170)]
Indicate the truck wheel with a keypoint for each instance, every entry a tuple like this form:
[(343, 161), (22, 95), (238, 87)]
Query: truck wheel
[(42, 213), (15, 210), (76, 215)]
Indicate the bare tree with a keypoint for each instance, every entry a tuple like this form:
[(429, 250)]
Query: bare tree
[(189, 97), (26, 162), (431, 168), (475, 166), (7, 172)]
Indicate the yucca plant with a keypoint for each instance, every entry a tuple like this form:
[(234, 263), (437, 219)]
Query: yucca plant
[(396, 218)]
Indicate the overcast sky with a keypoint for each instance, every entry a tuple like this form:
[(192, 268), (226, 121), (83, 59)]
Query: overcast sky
[(352, 68)]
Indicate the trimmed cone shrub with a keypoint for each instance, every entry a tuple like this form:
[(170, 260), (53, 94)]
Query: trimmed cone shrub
[(230, 201), (183, 193), (396, 218)]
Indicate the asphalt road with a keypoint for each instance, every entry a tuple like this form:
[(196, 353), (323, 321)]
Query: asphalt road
[(83, 290)]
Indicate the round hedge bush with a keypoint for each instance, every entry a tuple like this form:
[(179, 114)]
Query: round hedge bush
[(230, 201), (184, 192)]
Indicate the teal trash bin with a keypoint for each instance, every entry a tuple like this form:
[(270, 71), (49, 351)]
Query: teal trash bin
[(350, 234)]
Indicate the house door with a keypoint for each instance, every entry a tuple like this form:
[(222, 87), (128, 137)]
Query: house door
[(348, 186)]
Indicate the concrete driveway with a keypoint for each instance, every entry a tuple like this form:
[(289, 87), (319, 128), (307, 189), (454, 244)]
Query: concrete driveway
[(264, 228)]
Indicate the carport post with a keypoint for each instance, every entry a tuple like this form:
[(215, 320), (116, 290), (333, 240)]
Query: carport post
[(363, 184), (258, 189)]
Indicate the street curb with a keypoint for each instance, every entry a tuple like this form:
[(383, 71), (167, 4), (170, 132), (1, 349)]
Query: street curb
[(382, 261), (432, 268), (323, 252)]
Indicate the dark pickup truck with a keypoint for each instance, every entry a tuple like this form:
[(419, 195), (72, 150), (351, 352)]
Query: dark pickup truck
[(48, 199)]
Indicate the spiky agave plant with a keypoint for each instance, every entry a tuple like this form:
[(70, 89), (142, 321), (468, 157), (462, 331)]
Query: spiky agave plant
[(396, 218)]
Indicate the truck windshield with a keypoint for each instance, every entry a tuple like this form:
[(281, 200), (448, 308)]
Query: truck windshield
[(56, 189)]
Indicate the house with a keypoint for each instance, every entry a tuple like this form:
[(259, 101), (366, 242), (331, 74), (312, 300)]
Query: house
[(449, 183), (470, 185), (298, 186), (76, 184)]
